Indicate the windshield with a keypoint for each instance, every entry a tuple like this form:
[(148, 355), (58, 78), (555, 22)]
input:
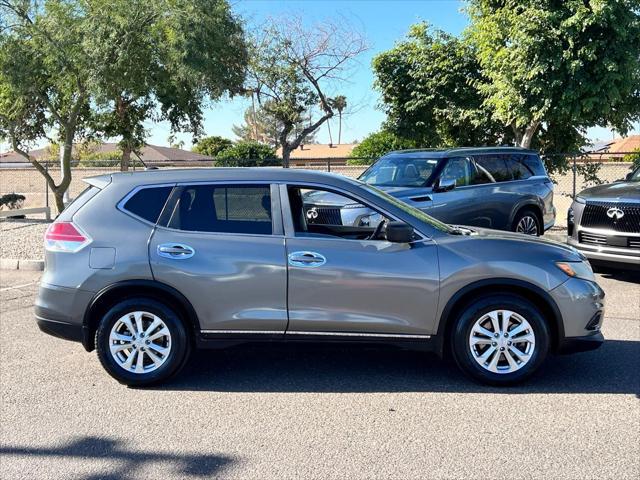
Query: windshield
[(635, 176), (400, 170), (414, 212)]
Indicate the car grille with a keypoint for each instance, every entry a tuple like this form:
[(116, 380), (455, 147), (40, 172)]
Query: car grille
[(595, 216), (591, 238), (325, 215)]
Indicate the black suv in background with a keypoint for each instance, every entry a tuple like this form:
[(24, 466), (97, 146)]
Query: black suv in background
[(505, 188), (604, 222)]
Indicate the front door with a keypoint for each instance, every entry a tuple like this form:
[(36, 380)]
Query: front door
[(222, 248), (343, 281)]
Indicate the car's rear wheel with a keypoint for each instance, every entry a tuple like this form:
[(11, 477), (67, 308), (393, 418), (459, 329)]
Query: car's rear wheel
[(142, 342), (500, 340), (527, 222)]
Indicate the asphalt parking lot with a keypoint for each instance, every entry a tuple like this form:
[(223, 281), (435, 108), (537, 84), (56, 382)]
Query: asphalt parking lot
[(333, 412)]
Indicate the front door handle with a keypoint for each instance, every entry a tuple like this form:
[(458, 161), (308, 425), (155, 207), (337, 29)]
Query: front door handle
[(306, 259), (176, 251)]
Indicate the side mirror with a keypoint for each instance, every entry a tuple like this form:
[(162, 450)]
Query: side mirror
[(628, 176), (399, 232), (445, 184)]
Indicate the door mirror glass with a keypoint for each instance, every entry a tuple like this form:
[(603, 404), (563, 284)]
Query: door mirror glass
[(399, 232), (445, 184)]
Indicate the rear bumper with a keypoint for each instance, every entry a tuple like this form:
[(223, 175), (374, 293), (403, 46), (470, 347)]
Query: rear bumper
[(581, 344), (64, 330), (60, 311)]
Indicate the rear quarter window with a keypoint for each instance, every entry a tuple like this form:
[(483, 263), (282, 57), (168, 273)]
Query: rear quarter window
[(534, 163), (148, 202)]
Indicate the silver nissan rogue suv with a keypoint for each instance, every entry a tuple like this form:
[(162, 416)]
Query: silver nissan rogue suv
[(144, 267)]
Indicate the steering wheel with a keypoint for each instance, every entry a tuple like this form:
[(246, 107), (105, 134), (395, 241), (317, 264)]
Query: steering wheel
[(376, 233)]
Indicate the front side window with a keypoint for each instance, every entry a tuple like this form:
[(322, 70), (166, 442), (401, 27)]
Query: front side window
[(400, 170), (457, 169), (323, 213), (223, 208)]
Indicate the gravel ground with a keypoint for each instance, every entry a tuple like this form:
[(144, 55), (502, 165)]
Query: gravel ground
[(22, 239), (328, 412)]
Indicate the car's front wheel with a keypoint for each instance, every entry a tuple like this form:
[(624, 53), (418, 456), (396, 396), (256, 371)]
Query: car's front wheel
[(500, 340), (142, 342)]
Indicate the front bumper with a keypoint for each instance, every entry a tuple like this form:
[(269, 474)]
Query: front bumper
[(607, 254), (581, 344)]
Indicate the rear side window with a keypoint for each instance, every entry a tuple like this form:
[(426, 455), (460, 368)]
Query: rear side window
[(534, 164), (148, 202), (223, 208), (519, 169), (492, 168)]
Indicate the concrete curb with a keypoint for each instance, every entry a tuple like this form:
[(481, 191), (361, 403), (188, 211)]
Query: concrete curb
[(17, 264)]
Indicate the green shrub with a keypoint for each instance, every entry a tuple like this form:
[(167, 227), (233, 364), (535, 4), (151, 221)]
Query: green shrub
[(633, 158), (248, 154), (13, 201), (212, 146), (376, 145)]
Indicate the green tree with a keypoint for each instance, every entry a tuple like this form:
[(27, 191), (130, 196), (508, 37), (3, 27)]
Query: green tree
[(45, 75), (262, 126), (292, 69), (427, 83), (575, 62), (248, 154), (211, 146), (376, 145), (160, 60), (78, 69)]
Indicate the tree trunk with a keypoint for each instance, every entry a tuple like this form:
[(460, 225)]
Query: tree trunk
[(125, 159), (339, 128), (58, 196), (330, 136), (286, 154), (524, 138)]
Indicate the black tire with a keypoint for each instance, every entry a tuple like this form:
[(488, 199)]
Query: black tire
[(462, 331), (527, 215), (176, 358)]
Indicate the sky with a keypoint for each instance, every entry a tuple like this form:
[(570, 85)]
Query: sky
[(383, 22)]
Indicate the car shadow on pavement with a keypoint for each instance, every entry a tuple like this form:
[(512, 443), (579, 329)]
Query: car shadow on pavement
[(128, 462), (621, 275), (613, 368)]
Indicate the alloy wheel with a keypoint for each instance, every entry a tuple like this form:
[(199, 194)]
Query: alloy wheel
[(527, 225), (502, 341), (140, 342)]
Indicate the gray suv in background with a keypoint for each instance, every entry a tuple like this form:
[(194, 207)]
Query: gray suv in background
[(604, 222), (504, 188), (145, 267)]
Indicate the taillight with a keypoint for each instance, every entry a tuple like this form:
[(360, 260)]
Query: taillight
[(65, 237)]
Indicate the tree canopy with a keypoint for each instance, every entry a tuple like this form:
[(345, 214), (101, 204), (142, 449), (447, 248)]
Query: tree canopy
[(74, 69), (530, 72), (211, 146), (292, 70), (248, 154), (376, 145), (427, 83)]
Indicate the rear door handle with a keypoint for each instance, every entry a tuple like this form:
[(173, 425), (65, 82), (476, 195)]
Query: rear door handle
[(306, 259), (176, 251)]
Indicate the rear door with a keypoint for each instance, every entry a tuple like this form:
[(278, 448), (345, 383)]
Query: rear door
[(222, 246)]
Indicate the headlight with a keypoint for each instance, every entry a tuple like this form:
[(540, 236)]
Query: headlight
[(579, 199), (353, 205), (577, 269)]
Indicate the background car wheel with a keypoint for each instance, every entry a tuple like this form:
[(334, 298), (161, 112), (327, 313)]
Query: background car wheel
[(527, 222), (142, 342), (500, 340)]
